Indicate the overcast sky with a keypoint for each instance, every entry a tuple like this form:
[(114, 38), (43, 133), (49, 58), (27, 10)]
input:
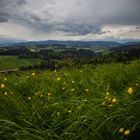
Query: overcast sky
[(70, 19)]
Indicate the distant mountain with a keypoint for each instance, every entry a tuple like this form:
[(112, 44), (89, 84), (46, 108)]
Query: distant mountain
[(70, 43), (56, 43), (7, 42)]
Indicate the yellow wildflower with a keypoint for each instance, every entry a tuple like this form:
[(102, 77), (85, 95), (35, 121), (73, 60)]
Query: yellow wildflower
[(72, 89), (107, 93), (33, 74), (127, 132), (58, 79), (5, 93), (87, 90), (2, 85), (73, 81), (114, 100), (49, 94), (130, 90), (121, 130), (69, 111), (85, 100), (5, 79)]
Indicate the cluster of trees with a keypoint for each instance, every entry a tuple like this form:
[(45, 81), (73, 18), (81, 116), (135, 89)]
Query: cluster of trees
[(73, 57)]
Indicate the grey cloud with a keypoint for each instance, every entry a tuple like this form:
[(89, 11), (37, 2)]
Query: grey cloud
[(3, 17), (7, 7), (75, 17), (78, 29), (99, 13)]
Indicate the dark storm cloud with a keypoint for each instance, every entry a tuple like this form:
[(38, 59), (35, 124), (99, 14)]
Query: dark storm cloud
[(3, 17), (74, 17), (78, 29), (94, 14), (7, 7)]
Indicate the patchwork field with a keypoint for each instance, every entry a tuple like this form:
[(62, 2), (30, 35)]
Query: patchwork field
[(101, 103)]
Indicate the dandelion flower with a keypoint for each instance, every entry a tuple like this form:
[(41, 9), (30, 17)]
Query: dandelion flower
[(2, 85), (121, 130), (127, 132), (114, 100), (130, 90)]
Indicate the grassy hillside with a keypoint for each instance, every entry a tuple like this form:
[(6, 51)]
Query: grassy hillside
[(90, 103), (9, 62)]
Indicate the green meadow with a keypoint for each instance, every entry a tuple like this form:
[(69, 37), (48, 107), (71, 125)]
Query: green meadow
[(91, 103), (12, 62)]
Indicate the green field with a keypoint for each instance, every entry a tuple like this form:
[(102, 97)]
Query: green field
[(11, 62), (101, 103)]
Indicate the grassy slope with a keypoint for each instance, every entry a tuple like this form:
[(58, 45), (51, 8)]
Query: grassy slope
[(8, 62), (71, 104)]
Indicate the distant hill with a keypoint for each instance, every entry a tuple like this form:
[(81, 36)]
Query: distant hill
[(8, 42), (56, 43)]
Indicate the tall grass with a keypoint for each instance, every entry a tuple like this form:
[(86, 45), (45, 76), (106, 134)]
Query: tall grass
[(89, 103)]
